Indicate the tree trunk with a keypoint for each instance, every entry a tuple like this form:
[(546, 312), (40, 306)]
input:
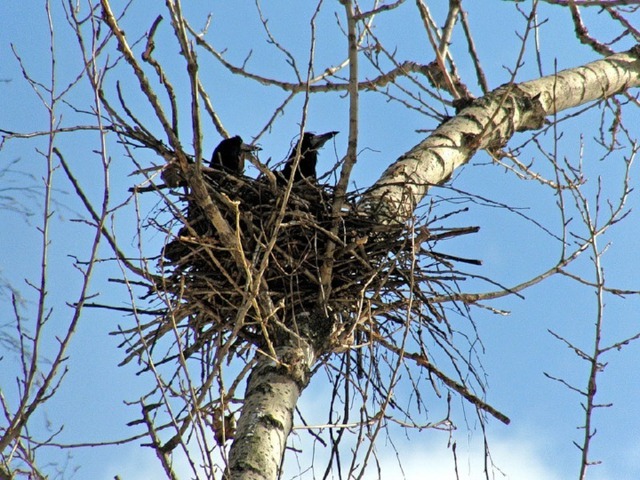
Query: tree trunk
[(272, 393)]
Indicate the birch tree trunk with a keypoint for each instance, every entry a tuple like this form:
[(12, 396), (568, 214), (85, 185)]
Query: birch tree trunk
[(488, 123), (272, 393)]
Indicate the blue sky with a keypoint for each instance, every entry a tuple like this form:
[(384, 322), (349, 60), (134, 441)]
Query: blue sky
[(516, 349)]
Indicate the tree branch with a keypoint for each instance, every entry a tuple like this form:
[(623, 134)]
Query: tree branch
[(489, 123)]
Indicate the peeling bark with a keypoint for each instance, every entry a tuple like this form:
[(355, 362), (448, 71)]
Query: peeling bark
[(489, 122), (272, 393)]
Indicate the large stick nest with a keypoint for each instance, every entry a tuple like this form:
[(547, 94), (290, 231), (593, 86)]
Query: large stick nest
[(277, 282)]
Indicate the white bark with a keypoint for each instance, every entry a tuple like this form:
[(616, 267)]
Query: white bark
[(489, 123), (272, 393)]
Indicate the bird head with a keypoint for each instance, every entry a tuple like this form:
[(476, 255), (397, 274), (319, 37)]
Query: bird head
[(230, 154), (307, 147), (235, 146), (311, 141)]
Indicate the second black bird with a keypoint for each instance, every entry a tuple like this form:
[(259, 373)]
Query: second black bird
[(230, 153), (308, 147)]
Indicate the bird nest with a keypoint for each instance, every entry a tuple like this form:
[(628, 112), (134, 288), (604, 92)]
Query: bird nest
[(296, 266)]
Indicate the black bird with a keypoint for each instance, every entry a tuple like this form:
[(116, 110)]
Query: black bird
[(308, 147), (230, 153)]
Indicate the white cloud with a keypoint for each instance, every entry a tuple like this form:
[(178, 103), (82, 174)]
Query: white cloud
[(514, 458)]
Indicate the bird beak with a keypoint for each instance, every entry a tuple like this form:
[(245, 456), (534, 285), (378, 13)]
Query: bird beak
[(249, 148), (318, 141)]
